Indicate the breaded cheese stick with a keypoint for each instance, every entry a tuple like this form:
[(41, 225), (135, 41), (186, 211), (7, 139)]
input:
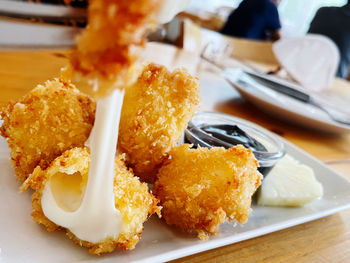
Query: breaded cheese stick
[(155, 114), (200, 188), (69, 174), (49, 120), (110, 45)]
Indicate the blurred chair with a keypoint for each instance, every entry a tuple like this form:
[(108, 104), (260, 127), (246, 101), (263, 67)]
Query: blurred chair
[(213, 19), (195, 39)]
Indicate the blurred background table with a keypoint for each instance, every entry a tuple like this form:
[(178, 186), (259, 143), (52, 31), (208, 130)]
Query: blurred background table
[(322, 240)]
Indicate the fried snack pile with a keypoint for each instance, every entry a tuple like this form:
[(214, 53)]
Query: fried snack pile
[(45, 123), (57, 117), (132, 198), (155, 114), (46, 131), (110, 44), (199, 188)]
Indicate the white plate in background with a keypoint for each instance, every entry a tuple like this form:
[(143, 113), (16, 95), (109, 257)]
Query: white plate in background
[(21, 33), (284, 107), (22, 240)]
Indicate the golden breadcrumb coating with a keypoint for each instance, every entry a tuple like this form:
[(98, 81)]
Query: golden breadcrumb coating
[(132, 198), (110, 44), (155, 113), (46, 122), (199, 188)]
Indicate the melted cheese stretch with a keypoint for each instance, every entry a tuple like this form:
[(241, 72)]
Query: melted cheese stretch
[(96, 218)]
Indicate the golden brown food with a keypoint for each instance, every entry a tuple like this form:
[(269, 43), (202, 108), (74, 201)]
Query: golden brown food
[(199, 188), (46, 122), (155, 113), (110, 44), (132, 198)]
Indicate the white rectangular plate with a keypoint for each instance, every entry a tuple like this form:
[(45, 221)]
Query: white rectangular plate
[(22, 240)]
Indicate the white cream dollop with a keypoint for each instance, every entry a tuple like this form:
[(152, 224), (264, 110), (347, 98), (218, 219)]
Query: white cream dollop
[(289, 183), (97, 217)]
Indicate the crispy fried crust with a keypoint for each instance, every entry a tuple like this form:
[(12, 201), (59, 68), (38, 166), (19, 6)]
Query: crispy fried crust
[(56, 117), (200, 188), (46, 122), (113, 38), (132, 199), (155, 113)]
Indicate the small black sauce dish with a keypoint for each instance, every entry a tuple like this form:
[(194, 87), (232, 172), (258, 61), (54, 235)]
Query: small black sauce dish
[(210, 129)]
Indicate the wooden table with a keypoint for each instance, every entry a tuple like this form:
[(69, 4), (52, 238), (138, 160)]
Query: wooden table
[(324, 240)]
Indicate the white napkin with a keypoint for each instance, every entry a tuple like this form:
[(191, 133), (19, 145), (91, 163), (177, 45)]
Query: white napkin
[(311, 60)]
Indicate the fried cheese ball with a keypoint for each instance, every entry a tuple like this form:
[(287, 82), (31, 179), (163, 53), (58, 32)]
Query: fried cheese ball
[(110, 44), (46, 122), (155, 113), (199, 188), (132, 198)]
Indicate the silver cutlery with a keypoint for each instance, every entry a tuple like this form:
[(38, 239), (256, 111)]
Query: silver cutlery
[(267, 82), (259, 79)]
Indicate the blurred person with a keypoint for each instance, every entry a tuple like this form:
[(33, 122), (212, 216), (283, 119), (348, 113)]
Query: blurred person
[(254, 19), (334, 22)]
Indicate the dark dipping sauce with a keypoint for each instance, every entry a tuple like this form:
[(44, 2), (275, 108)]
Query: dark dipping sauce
[(224, 135)]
